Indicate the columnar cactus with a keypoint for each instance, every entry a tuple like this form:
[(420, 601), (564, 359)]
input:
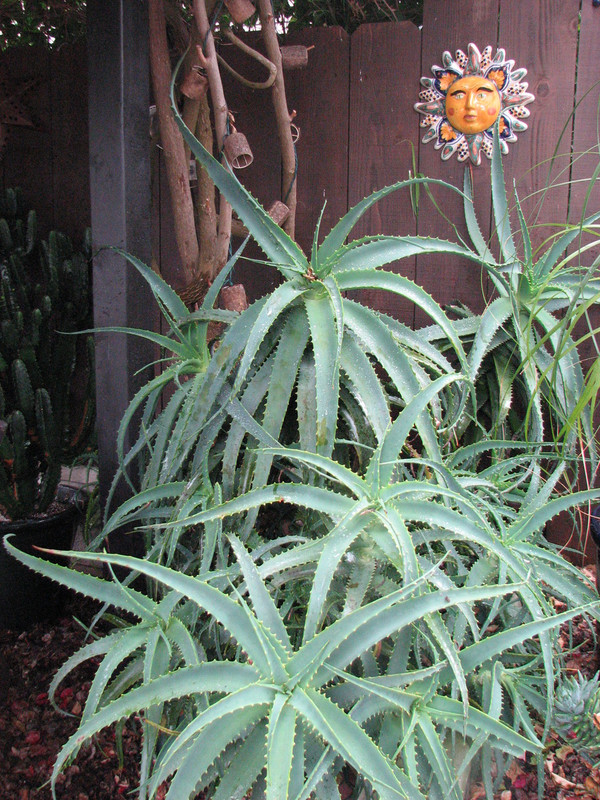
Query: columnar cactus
[(44, 296)]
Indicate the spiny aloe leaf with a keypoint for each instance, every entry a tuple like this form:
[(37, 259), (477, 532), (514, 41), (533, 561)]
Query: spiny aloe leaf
[(165, 295), (547, 262), (222, 607), (326, 329), (347, 638), (473, 228), (284, 253), (214, 677), (340, 232), (106, 592), (396, 436), (492, 319), (349, 739), (280, 299), (500, 204), (398, 284), (245, 767), (280, 747), (527, 524), (376, 338), (190, 770), (480, 652), (336, 544)]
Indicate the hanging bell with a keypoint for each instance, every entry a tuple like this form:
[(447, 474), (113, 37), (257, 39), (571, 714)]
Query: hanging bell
[(194, 85), (233, 298), (278, 212), (294, 56), (237, 150), (240, 10)]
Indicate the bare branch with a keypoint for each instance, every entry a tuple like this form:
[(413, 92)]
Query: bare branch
[(176, 162), (220, 112), (255, 55), (282, 114)]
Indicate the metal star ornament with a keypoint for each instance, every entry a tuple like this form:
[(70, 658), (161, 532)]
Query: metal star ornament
[(465, 98)]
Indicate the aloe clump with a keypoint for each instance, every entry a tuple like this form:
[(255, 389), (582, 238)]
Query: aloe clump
[(407, 628), (524, 359)]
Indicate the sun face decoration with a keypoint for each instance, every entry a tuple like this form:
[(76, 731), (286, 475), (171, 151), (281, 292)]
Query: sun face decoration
[(466, 96)]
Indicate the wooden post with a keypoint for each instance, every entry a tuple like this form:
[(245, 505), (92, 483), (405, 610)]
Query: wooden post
[(120, 204)]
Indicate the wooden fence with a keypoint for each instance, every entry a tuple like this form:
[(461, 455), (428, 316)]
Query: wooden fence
[(358, 132)]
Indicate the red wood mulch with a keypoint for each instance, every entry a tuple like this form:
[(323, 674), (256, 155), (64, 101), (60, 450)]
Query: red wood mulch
[(32, 731)]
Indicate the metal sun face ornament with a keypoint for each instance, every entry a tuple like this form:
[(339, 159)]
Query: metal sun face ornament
[(466, 96)]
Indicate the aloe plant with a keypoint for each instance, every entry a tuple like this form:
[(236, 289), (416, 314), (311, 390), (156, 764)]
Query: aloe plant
[(426, 610), (44, 297), (290, 709), (523, 357), (406, 629)]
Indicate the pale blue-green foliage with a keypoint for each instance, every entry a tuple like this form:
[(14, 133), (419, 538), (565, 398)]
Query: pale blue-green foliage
[(523, 345), (407, 629), (295, 708)]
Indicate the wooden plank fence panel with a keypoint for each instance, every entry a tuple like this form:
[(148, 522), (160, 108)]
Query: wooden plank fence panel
[(322, 118), (384, 67), (27, 161), (356, 120), (451, 26), (585, 195), (586, 134), (69, 137), (544, 40)]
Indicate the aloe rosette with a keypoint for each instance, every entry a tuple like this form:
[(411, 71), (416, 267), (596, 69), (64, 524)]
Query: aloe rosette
[(280, 718)]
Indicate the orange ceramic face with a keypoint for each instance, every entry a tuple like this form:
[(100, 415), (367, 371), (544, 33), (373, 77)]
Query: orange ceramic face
[(472, 104)]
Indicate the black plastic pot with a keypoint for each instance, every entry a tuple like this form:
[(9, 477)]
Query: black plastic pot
[(25, 595)]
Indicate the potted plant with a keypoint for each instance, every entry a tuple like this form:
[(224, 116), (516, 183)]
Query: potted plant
[(44, 295)]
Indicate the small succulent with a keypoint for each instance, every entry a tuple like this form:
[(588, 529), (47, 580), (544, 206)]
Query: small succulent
[(577, 714)]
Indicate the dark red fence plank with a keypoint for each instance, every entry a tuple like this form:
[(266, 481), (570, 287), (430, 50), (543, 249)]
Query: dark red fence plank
[(544, 40), (585, 194), (586, 135), (69, 137), (322, 118), (384, 68)]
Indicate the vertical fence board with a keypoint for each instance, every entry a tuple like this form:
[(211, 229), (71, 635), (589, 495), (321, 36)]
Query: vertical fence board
[(585, 194), (322, 118), (451, 26), (385, 63), (70, 147), (544, 40), (586, 134), (27, 161)]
